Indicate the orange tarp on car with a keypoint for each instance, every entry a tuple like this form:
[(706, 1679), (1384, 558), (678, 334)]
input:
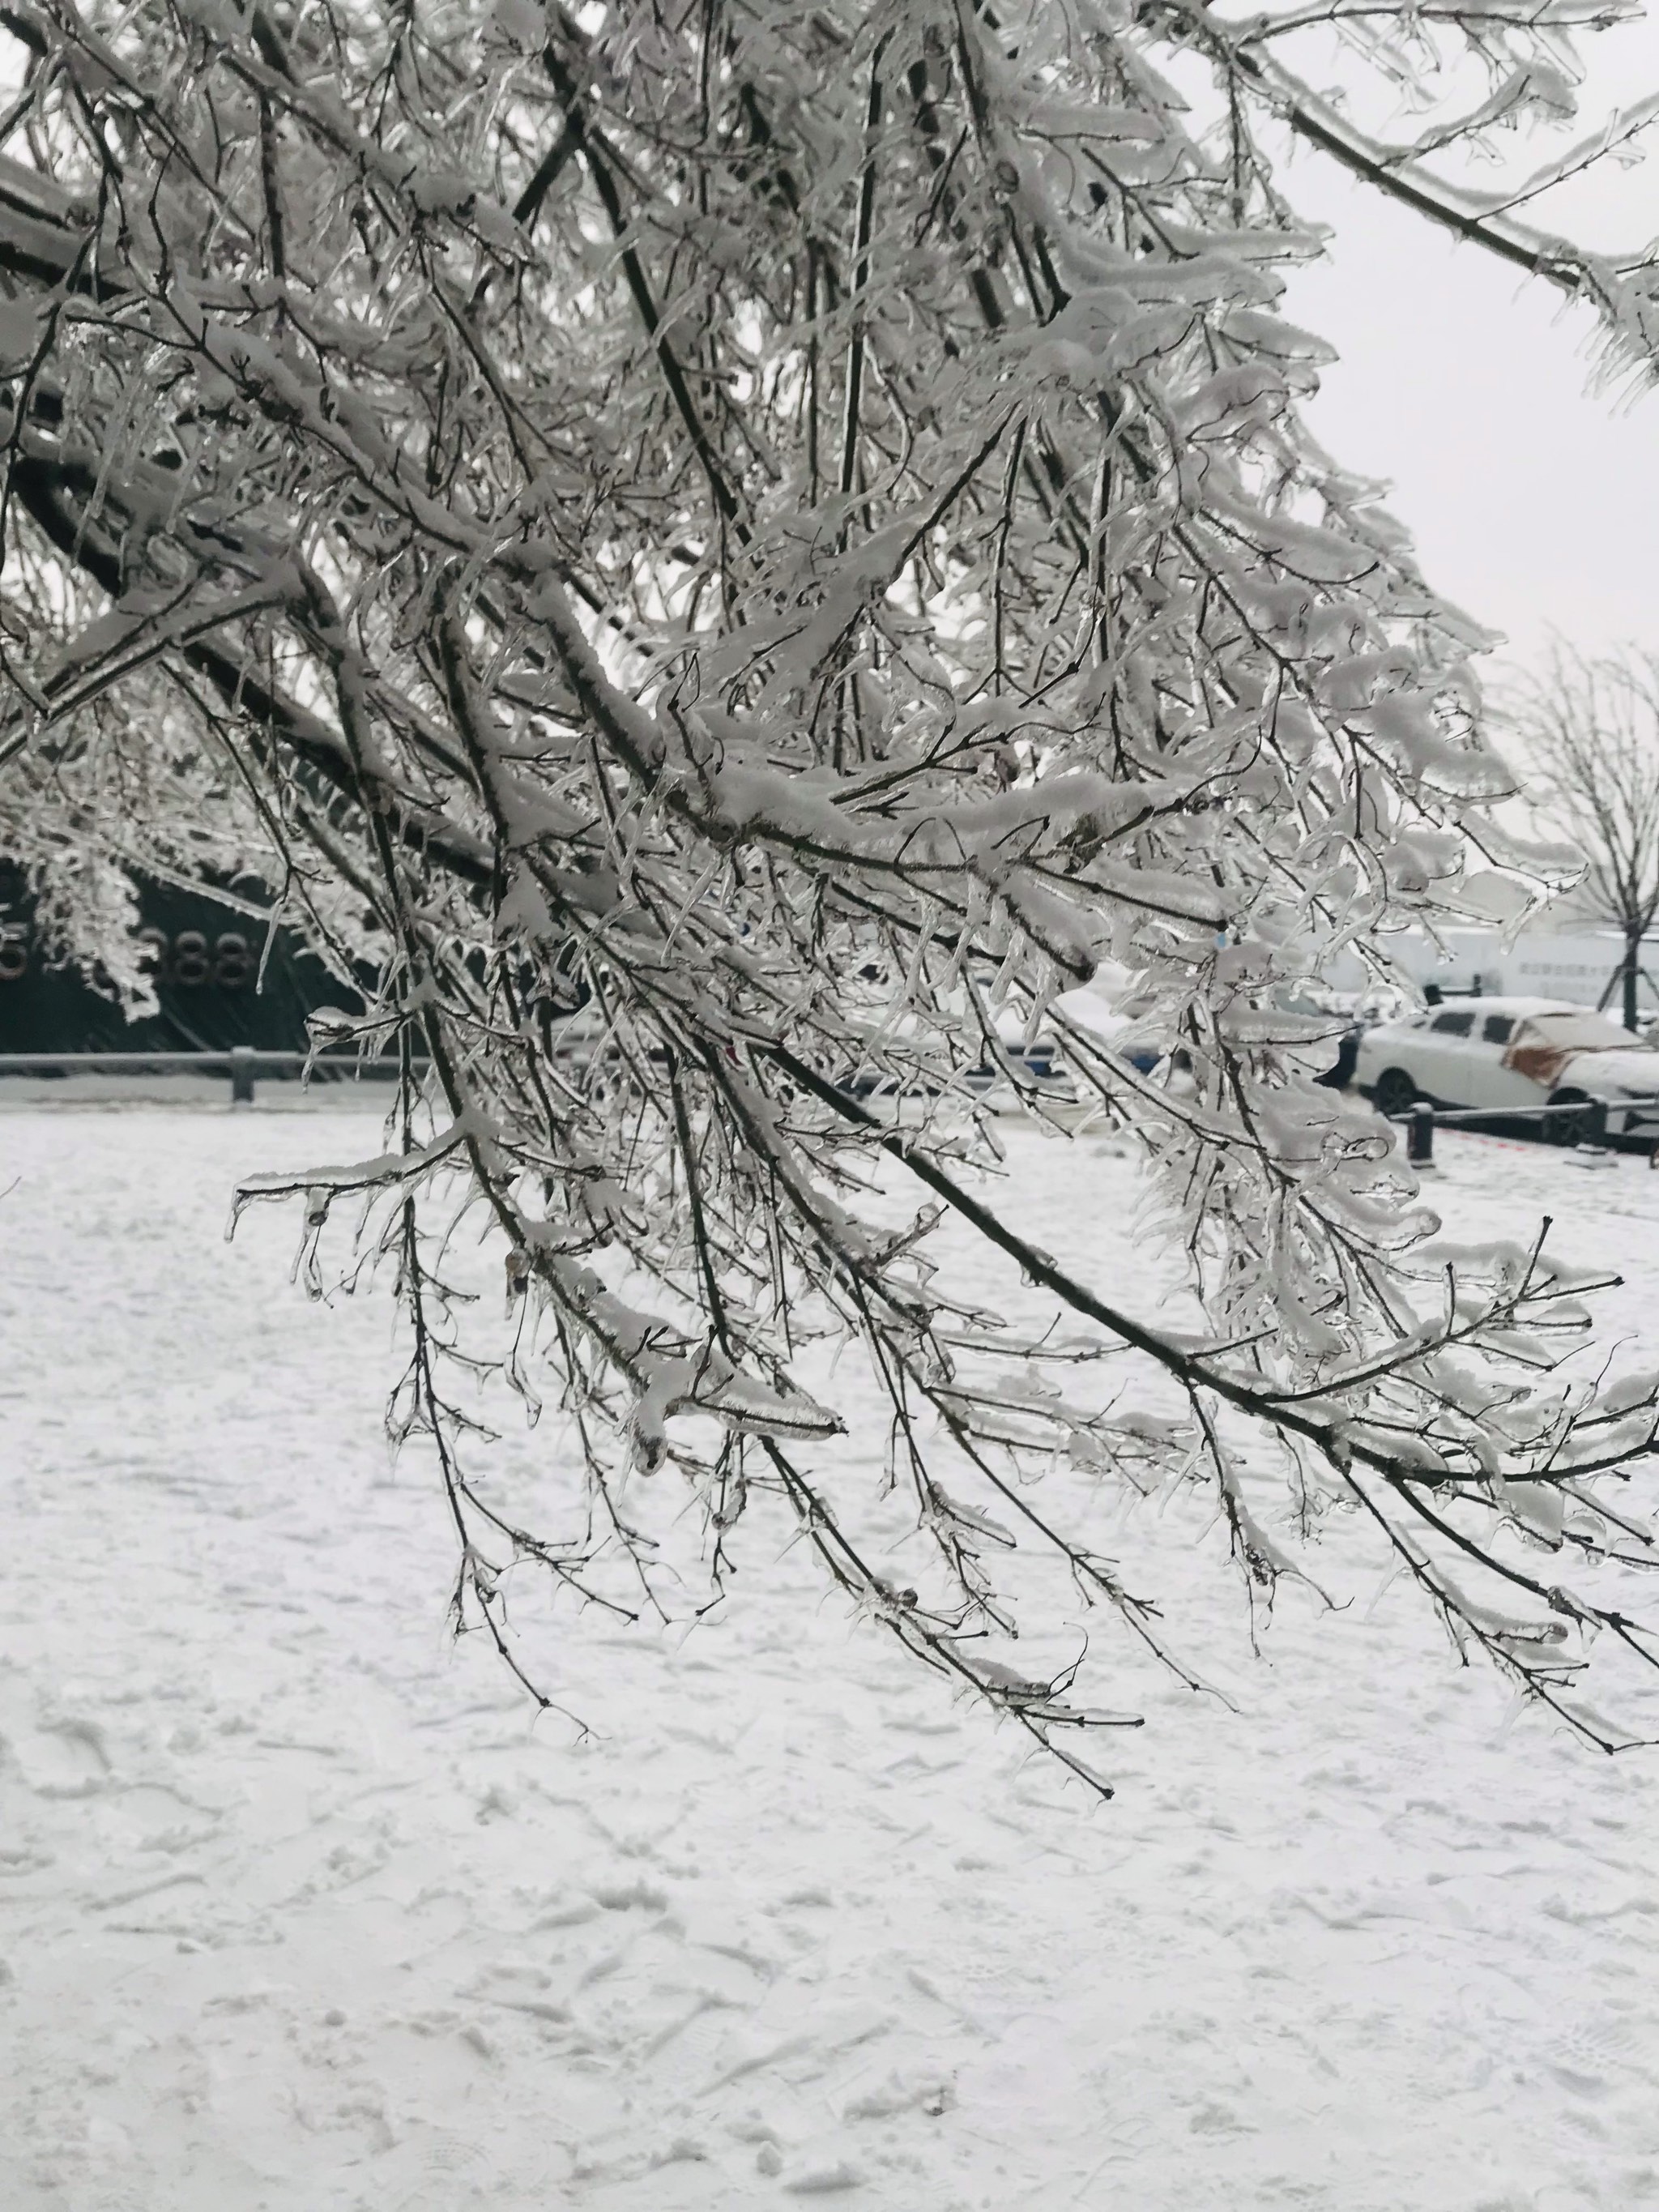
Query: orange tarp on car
[(1539, 1062)]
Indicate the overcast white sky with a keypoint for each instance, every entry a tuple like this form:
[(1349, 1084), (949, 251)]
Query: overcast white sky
[(1466, 386)]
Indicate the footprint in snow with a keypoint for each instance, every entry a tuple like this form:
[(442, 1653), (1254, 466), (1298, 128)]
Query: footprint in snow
[(60, 1758), (824, 2180)]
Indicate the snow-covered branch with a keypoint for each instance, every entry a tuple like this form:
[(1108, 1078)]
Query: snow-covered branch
[(720, 553)]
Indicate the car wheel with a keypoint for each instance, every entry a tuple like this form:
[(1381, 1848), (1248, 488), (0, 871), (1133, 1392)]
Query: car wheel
[(1571, 1128), (1395, 1093)]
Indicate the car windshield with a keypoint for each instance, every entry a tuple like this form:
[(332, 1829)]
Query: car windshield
[(1585, 1032)]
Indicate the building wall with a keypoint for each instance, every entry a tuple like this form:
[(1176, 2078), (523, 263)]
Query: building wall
[(1578, 966), (207, 978)]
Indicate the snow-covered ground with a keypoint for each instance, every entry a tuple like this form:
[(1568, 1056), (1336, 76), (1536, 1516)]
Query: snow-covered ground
[(299, 1910)]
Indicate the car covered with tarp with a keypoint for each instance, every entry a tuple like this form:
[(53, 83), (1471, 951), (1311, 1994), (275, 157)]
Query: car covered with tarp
[(1505, 1057)]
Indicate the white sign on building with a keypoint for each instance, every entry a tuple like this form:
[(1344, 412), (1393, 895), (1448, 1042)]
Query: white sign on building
[(1581, 966)]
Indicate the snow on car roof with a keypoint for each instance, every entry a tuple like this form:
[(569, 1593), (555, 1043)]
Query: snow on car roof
[(1522, 1009)]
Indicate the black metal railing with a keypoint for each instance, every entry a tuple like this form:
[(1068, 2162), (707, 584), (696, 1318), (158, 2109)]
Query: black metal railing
[(1420, 1121), (244, 1064)]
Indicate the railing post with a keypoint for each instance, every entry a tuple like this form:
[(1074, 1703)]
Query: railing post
[(241, 1075), (1419, 1138)]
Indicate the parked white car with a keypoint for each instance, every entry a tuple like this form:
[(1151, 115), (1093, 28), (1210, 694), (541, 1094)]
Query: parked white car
[(1496, 1056)]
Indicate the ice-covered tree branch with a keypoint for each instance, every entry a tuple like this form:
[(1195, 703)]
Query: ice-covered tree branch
[(723, 553)]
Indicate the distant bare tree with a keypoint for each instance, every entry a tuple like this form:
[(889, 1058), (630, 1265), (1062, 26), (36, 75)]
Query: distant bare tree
[(1590, 727)]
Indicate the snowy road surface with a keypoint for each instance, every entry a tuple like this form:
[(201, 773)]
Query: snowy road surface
[(298, 1910)]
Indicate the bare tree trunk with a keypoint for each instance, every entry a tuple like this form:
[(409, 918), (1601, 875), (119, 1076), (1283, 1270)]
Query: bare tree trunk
[(1631, 973)]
